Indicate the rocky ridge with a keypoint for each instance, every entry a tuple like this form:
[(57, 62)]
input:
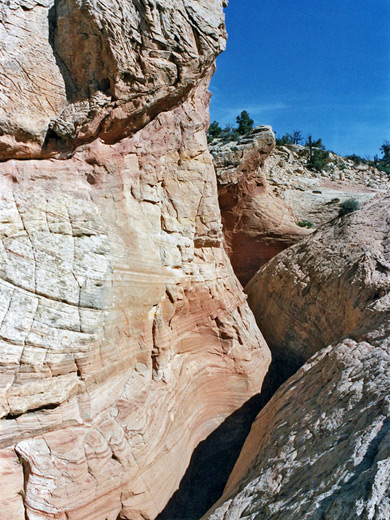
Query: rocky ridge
[(257, 224), (316, 196), (265, 191)]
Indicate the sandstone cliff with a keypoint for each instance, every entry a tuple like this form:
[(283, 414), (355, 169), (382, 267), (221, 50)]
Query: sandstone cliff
[(257, 224), (125, 338), (320, 447)]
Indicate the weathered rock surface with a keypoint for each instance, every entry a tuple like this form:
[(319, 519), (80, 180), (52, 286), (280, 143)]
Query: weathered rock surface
[(73, 70), (257, 225), (316, 196), (332, 285), (125, 338), (12, 486), (320, 449)]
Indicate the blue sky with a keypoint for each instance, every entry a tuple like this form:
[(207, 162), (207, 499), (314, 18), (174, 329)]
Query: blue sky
[(322, 67)]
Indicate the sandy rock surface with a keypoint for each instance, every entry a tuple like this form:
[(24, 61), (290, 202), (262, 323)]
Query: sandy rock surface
[(320, 449), (72, 69), (125, 338), (257, 225)]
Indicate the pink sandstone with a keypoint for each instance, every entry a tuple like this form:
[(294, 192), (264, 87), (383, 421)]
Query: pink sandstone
[(125, 338)]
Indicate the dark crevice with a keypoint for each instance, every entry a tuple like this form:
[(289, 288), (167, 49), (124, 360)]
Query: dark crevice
[(26, 473), (114, 457), (12, 416), (214, 458), (70, 87), (91, 179)]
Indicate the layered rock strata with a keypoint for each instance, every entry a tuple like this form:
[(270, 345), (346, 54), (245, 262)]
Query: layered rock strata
[(257, 225), (125, 338), (320, 449)]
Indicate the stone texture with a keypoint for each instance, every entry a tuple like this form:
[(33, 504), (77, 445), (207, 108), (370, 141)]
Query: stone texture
[(316, 196), (333, 284), (257, 225), (121, 312), (75, 69), (125, 338), (320, 449), (12, 486)]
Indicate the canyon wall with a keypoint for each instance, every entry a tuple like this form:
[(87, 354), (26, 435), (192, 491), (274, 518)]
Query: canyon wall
[(256, 223), (320, 448), (125, 338)]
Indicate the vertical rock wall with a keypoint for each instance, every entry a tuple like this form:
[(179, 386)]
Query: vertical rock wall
[(125, 338)]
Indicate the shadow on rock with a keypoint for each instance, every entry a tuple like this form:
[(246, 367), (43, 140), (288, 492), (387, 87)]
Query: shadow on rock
[(214, 458)]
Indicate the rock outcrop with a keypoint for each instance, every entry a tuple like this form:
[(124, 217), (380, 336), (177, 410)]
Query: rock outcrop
[(73, 70), (257, 225), (332, 285), (125, 338), (316, 196), (320, 449)]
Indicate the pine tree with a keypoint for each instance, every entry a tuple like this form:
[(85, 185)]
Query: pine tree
[(245, 123)]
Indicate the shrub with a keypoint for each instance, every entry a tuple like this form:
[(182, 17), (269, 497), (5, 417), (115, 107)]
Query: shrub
[(297, 137), (285, 139), (312, 144), (384, 162), (229, 134), (305, 223), (348, 206), (318, 160), (356, 159)]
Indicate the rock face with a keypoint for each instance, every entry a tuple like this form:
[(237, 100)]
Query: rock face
[(73, 70), (332, 285), (320, 449), (257, 225), (125, 338)]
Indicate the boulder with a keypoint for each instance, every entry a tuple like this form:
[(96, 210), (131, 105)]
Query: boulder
[(320, 449), (332, 285)]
